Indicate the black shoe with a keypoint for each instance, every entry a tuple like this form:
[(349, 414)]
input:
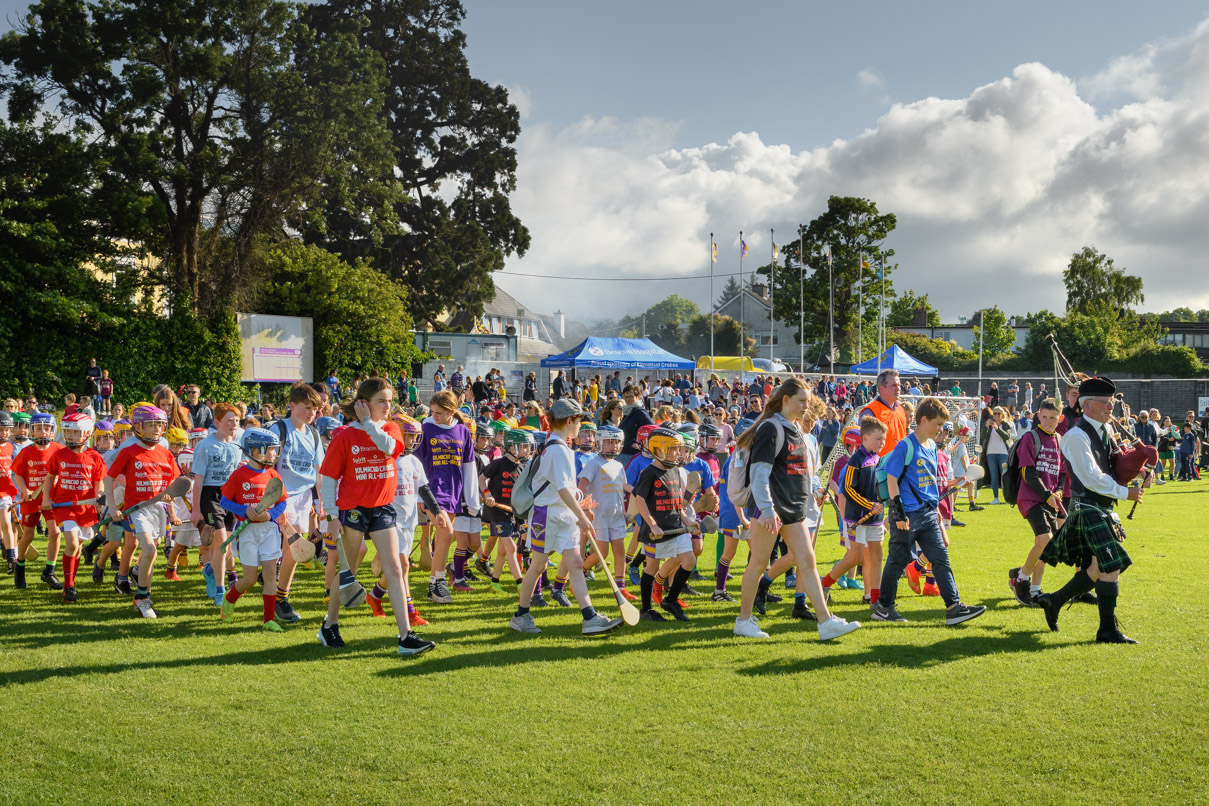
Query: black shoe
[(650, 615), (69, 593), (481, 565), (722, 596), (19, 576), (411, 645), (670, 605), (958, 612), (1086, 598), (468, 575), (538, 600), (88, 555), (330, 636), (98, 574), (284, 611), (689, 590), (48, 577), (804, 612), (1046, 603), (1022, 589), (114, 563), (1113, 636), (976, 508), (560, 598), (772, 597), (10, 564), (695, 576), (759, 603), (122, 586), (956, 522)]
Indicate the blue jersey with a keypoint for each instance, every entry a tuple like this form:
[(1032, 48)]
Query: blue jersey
[(581, 458), (707, 474), (728, 518), (214, 460), (634, 469), (917, 484), (300, 458)]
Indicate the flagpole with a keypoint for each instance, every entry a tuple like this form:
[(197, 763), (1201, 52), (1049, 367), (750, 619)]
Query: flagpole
[(881, 330), (772, 314), (712, 303), (742, 342), (830, 310), (802, 302), (860, 304)]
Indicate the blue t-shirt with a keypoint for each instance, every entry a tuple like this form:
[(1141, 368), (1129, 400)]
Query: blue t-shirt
[(214, 460), (728, 518), (707, 474), (581, 458), (300, 457), (634, 469), (917, 484)]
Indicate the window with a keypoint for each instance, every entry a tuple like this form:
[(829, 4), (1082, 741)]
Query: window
[(441, 347)]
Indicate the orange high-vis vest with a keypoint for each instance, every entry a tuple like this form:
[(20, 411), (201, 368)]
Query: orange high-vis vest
[(895, 420)]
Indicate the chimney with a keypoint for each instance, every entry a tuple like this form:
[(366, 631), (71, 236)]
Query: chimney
[(562, 324), (760, 290), (919, 317)]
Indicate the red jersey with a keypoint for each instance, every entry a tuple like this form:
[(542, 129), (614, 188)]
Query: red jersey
[(148, 472), (76, 478), (7, 488), (367, 476), (30, 466), (246, 486)]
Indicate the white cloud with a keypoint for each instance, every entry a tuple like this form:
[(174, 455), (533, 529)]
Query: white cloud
[(522, 99), (869, 79), (993, 192)]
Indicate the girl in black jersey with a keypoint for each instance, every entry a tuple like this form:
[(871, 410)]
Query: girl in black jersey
[(778, 473)]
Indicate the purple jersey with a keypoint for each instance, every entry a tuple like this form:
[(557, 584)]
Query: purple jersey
[(1049, 464), (442, 451)]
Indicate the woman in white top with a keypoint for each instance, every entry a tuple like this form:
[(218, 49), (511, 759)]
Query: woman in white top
[(998, 434)]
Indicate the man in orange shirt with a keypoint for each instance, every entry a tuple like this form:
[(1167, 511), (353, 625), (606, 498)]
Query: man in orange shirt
[(885, 407)]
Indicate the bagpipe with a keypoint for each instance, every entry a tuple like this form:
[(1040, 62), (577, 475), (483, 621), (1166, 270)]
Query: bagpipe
[(1131, 456)]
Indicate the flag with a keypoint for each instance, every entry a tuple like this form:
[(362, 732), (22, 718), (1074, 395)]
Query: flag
[(864, 263), (715, 257), (776, 251), (742, 248)]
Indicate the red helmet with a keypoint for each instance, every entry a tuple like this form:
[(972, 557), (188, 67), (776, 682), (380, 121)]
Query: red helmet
[(643, 433), (852, 437)]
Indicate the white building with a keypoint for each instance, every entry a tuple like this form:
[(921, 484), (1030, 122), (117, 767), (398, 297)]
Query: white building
[(753, 308)]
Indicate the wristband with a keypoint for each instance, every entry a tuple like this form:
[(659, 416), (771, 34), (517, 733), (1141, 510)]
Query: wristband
[(896, 509)]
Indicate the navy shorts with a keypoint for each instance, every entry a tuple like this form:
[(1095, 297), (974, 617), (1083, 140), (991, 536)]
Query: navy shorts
[(211, 509), (368, 519), (503, 529)]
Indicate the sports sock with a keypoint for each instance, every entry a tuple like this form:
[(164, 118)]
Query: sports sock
[(537, 588), (411, 608), (50, 567), (560, 583), (220, 591), (766, 580), (282, 593), (620, 582), (720, 575), (588, 612), (799, 600), (232, 577), (10, 554), (1106, 593), (378, 592), (69, 569), (459, 564), (207, 569), (233, 595), (828, 581), (679, 580), (270, 606), (661, 580), (929, 578), (121, 577), (874, 595), (647, 586), (636, 559), (1079, 583), (141, 593), (1034, 589), (522, 611)]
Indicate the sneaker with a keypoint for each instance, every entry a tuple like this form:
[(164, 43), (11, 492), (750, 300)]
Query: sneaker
[(416, 620), (330, 636), (599, 625), (590, 575), (635, 576), (48, 577), (538, 600), (976, 508), (145, 608), (171, 575), (375, 605), (481, 565), (689, 590), (469, 575), (791, 581), (524, 624), (211, 585), (883, 613), (675, 609), (560, 598), (650, 615), (219, 598), (98, 574), (625, 593), (913, 576), (748, 628), (411, 645), (657, 593), (1159, 481), (956, 522), (1046, 603), (122, 586), (722, 596), (774, 598), (228, 607), (930, 589), (1113, 636), (1021, 589), (1086, 597), (760, 604), (803, 612), (462, 587), (958, 612), (69, 593), (439, 593), (284, 612), (836, 627), (695, 576), (495, 587), (272, 626), (994, 502)]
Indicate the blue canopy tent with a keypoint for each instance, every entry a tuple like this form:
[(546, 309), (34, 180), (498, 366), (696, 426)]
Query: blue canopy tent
[(617, 353), (894, 358)]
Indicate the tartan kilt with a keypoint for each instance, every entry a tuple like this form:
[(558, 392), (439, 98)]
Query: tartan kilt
[(1088, 532)]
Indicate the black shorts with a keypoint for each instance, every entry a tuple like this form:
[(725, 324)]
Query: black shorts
[(212, 513), (1043, 519), (368, 519), (502, 529)]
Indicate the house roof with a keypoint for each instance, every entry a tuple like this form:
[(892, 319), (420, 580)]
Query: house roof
[(504, 304)]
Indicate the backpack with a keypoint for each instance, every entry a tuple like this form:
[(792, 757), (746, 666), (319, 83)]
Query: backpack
[(738, 483), (523, 494), (880, 474), (1013, 476), (282, 429)]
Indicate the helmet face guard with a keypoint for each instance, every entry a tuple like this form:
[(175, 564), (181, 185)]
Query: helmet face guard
[(260, 445), (665, 446), (42, 429)]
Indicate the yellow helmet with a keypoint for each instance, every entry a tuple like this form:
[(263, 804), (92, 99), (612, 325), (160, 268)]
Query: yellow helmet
[(177, 436), (662, 442)]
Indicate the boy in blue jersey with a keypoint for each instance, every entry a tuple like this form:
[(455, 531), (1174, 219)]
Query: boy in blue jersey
[(732, 527), (301, 455), (214, 460), (914, 496)]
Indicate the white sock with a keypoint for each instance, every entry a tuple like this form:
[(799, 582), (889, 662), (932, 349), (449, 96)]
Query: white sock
[(1034, 589)]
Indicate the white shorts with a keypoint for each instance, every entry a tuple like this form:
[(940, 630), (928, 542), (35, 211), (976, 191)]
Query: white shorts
[(465, 523), (674, 547), (867, 533), (553, 530), (6, 503), (187, 535), (298, 510), (72, 526), (609, 529), (258, 543), (152, 520), (407, 538)]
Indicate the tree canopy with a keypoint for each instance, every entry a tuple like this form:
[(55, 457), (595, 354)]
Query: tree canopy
[(1092, 280)]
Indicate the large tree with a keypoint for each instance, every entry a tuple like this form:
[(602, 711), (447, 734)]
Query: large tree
[(999, 337), (902, 311), (452, 140), (849, 229), (228, 117), (1091, 279)]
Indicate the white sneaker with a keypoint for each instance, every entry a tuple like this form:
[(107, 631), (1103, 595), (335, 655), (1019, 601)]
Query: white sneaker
[(145, 608), (749, 628), (599, 625), (835, 627), (994, 501), (524, 624)]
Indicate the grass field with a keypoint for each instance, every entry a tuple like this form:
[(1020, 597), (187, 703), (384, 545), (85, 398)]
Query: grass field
[(102, 707)]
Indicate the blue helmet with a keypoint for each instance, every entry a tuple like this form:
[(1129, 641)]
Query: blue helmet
[(326, 425), (43, 418), (258, 439), (539, 437), (743, 425)]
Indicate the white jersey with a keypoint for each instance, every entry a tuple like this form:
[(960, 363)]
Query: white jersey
[(606, 480), (814, 513), (409, 478)]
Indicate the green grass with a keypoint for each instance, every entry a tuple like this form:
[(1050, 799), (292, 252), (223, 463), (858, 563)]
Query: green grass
[(101, 707)]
